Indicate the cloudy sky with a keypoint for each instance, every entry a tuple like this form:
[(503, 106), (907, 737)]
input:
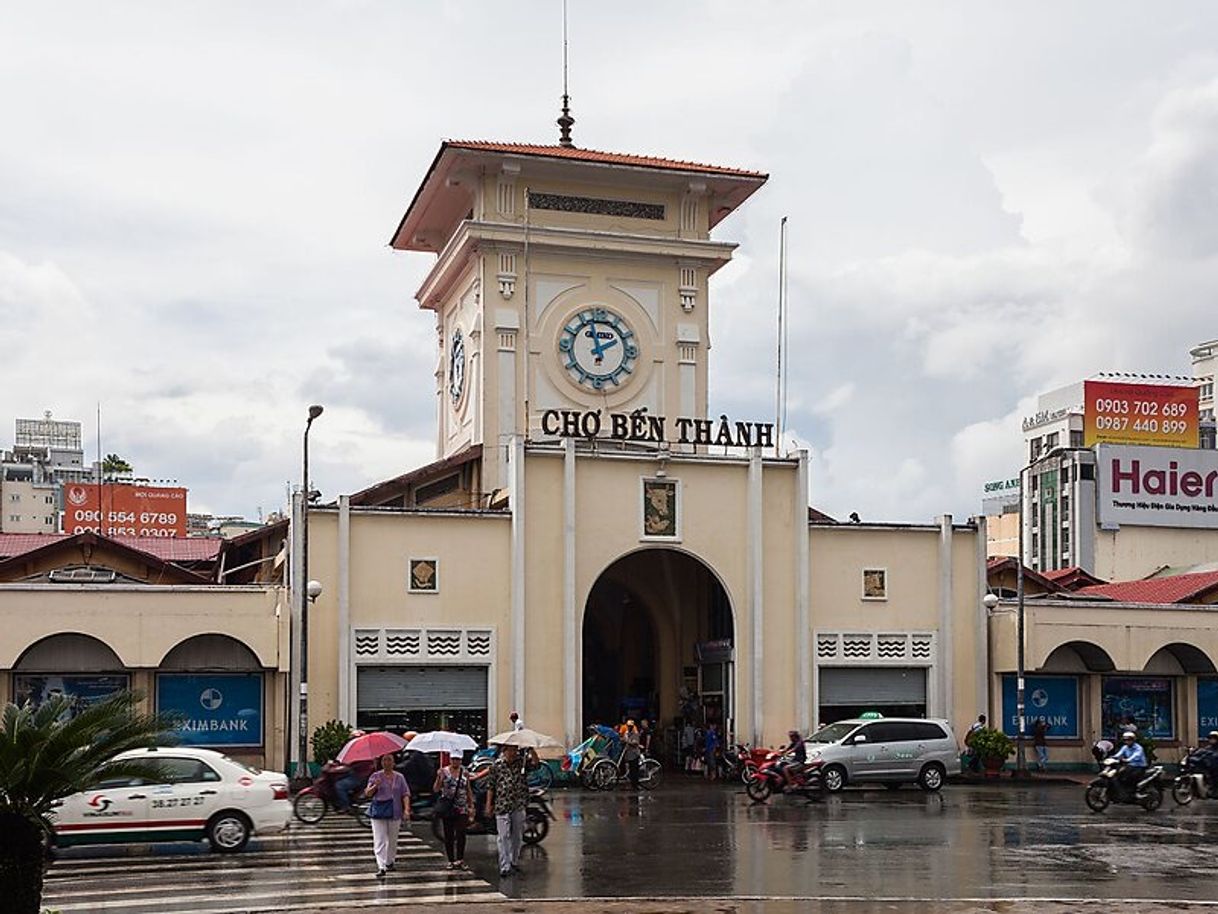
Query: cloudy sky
[(985, 201)]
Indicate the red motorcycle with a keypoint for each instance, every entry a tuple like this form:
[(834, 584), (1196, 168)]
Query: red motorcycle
[(769, 779)]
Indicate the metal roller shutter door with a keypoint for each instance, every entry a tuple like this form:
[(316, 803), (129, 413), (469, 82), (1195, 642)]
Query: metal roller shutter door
[(873, 685), (434, 688)]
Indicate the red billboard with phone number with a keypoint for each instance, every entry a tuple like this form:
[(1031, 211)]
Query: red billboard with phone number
[(1121, 413), (115, 509)]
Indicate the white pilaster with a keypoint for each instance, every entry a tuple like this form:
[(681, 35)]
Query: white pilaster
[(944, 670), (571, 633), (981, 635), (296, 587), (346, 709), (516, 503), (803, 622), (756, 578), (507, 326)]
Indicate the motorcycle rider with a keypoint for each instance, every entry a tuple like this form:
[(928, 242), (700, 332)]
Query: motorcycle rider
[(799, 757), (1134, 757), (1208, 759)]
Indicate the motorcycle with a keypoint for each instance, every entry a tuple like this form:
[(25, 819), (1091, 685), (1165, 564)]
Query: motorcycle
[(1193, 780), (1107, 788), (311, 804), (537, 818), (769, 779), (737, 762)]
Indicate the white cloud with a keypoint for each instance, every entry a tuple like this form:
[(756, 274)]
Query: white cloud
[(193, 218)]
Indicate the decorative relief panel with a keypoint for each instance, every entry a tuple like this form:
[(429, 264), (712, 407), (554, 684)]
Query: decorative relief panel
[(876, 648), (373, 645), (596, 206)]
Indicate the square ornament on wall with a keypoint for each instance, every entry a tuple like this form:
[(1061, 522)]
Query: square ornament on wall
[(875, 583), (661, 509), (424, 576)]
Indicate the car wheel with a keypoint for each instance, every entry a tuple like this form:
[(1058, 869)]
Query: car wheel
[(834, 778), (758, 789), (1097, 797), (930, 778), (309, 807), (228, 832)]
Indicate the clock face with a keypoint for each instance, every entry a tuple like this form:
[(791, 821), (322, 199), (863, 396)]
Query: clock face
[(598, 349), (456, 367)]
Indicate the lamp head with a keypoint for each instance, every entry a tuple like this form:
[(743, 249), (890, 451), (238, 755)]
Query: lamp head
[(313, 590), (315, 410), (990, 601)]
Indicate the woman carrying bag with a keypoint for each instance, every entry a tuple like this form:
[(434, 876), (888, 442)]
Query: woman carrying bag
[(390, 797), (454, 808)]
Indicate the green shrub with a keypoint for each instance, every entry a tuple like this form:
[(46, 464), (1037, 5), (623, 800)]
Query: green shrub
[(991, 743), (328, 739)]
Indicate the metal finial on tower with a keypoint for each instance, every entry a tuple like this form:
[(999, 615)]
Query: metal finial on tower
[(565, 121)]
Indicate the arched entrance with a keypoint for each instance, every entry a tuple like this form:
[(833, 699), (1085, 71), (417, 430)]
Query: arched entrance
[(658, 642)]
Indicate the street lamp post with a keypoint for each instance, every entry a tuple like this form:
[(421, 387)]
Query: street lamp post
[(309, 591)]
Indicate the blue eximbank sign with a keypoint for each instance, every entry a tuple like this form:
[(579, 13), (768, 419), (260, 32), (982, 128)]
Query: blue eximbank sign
[(213, 709), (1054, 698)]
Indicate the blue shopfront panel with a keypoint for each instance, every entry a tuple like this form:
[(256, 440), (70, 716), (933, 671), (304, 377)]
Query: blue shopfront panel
[(1207, 706), (1055, 698), (1145, 700), (214, 709)]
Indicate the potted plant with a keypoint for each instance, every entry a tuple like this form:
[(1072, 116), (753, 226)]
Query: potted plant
[(993, 747)]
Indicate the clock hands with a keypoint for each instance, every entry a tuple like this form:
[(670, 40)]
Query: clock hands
[(598, 345)]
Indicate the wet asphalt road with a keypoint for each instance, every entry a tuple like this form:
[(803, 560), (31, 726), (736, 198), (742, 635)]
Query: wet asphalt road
[(969, 842), (862, 851)]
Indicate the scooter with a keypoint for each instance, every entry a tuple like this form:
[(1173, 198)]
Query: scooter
[(537, 818), (1107, 788), (1193, 781), (737, 762), (769, 779)]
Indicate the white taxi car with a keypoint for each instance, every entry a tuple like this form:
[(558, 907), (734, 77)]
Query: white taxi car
[(203, 794)]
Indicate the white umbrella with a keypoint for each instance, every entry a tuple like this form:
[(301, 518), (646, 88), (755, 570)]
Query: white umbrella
[(525, 739), (442, 741)]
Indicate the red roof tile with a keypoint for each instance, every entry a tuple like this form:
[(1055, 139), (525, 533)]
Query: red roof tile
[(1182, 588), (169, 549), (606, 158)]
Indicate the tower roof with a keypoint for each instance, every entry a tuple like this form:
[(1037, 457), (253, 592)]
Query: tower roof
[(441, 201)]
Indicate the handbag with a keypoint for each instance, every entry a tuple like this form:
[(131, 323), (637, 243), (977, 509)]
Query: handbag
[(446, 807), (380, 809)]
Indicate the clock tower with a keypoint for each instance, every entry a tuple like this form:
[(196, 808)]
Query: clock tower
[(566, 279)]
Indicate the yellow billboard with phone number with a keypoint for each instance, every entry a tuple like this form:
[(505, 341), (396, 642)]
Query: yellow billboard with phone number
[(1116, 412)]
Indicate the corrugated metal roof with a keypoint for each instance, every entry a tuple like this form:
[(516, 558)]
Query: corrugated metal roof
[(169, 549), (1182, 588)]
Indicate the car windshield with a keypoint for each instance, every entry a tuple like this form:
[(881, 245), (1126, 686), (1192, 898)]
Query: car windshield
[(831, 733)]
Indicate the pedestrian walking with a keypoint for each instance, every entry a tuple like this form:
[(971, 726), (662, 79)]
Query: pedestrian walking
[(390, 804), (506, 797), (632, 753), (974, 758), (710, 749), (1039, 730), (454, 808), (517, 722)]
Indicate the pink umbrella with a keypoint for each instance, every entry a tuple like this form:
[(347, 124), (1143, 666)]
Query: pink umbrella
[(370, 747)]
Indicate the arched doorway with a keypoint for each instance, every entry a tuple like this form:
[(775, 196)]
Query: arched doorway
[(658, 643)]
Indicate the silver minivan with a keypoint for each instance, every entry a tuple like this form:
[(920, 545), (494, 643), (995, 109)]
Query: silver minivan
[(889, 750)]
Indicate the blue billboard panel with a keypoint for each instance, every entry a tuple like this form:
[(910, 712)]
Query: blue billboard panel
[(213, 709), (1053, 698), (1207, 706), (1144, 701), (81, 689)]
